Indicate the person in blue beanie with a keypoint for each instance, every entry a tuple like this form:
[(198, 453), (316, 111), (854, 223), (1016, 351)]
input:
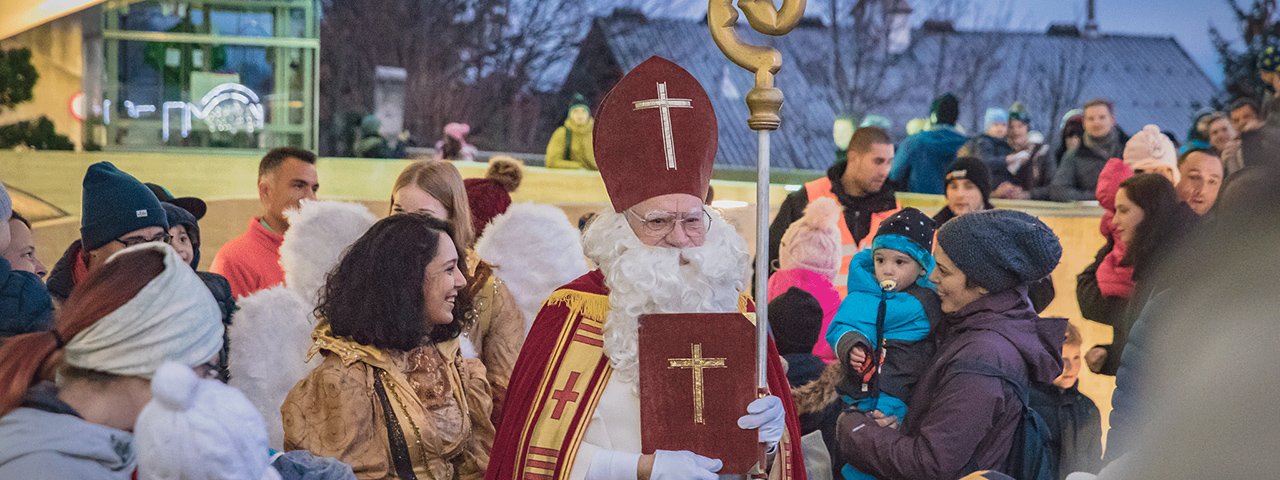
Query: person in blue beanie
[(879, 331), (965, 411), (117, 212), (24, 303), (993, 148)]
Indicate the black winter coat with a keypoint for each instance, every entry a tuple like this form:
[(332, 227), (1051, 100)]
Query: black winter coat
[(221, 290), (1103, 309), (1075, 426)]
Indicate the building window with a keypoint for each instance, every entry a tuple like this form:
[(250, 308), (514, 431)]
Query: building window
[(217, 74)]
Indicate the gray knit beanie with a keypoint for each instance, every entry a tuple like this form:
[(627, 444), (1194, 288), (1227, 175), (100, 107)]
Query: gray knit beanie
[(1000, 249)]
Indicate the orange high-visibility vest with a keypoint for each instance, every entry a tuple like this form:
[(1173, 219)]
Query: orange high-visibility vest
[(821, 187)]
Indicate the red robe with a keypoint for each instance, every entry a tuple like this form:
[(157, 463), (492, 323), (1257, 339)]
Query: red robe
[(571, 321)]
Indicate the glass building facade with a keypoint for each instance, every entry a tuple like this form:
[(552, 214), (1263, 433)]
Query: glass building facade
[(216, 74)]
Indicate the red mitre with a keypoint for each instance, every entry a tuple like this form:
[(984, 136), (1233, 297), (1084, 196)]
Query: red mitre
[(655, 134)]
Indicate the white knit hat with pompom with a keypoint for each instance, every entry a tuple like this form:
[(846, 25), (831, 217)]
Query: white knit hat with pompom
[(194, 429), (813, 241), (1151, 151)]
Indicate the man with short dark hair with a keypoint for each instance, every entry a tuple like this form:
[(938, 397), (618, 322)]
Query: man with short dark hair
[(923, 158), (1077, 176), (251, 262), (859, 184), (1245, 113)]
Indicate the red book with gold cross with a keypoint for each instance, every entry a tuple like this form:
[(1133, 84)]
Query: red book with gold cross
[(697, 375)]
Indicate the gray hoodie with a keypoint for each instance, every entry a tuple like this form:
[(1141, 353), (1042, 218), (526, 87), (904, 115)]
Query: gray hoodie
[(46, 439)]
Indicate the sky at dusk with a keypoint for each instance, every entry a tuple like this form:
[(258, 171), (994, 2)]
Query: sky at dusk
[(1186, 20)]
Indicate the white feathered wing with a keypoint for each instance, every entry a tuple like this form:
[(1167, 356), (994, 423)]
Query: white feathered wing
[(534, 250), (271, 333)]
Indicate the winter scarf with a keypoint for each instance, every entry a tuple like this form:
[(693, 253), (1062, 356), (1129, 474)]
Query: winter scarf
[(1114, 279), (174, 317), (1107, 146)]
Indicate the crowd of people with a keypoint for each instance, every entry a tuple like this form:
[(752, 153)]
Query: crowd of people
[(460, 336), (1022, 167)]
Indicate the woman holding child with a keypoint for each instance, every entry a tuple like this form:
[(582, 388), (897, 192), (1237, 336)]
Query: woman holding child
[(989, 339)]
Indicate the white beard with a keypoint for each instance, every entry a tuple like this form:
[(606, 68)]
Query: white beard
[(643, 280)]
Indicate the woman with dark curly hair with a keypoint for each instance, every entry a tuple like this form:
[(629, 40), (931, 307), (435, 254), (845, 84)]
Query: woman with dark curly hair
[(396, 395)]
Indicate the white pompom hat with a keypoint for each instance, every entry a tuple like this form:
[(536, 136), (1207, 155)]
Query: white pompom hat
[(813, 241), (196, 429)]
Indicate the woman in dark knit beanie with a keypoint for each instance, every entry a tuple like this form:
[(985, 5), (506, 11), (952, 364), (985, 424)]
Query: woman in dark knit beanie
[(965, 411)]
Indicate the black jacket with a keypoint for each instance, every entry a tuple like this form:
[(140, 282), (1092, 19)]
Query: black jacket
[(1103, 309), (1075, 426), (803, 368), (857, 210), (221, 290), (61, 279)]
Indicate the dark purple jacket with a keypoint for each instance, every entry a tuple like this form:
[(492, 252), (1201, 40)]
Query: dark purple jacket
[(959, 422)]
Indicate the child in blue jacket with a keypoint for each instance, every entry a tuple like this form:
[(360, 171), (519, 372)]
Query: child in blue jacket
[(880, 332)]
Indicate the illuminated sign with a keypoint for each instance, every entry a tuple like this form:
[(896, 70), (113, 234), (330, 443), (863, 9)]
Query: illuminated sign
[(228, 107)]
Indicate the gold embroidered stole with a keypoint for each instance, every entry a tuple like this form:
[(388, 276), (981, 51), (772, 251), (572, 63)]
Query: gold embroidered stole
[(570, 388)]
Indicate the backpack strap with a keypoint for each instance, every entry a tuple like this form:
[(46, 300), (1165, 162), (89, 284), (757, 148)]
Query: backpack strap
[(395, 435), (877, 350), (1019, 388)]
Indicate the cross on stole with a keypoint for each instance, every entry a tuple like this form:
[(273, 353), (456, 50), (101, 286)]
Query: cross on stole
[(664, 106), (697, 363), (565, 395)]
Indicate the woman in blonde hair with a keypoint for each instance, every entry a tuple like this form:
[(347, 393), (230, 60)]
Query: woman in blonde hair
[(435, 188)]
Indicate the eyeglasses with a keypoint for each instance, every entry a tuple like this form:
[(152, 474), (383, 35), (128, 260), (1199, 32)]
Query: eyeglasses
[(138, 240), (661, 224)]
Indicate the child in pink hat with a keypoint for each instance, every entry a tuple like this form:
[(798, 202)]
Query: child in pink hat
[(808, 259)]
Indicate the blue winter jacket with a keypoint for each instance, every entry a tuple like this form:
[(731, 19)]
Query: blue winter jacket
[(855, 323), (922, 159), (25, 306)]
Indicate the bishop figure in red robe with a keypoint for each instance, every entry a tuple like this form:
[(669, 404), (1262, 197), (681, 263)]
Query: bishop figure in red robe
[(573, 405)]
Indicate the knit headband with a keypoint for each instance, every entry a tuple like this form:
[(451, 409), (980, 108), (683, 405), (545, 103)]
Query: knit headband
[(173, 318)]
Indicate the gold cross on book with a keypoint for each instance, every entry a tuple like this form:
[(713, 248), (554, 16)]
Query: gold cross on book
[(697, 364)]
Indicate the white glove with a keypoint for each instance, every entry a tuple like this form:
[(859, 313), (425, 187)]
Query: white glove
[(767, 415), (683, 465)]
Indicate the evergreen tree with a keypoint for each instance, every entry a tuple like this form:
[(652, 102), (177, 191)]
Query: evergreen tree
[(17, 81), (1258, 30), (17, 77)]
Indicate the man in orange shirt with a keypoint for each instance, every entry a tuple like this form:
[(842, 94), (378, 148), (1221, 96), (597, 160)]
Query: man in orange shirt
[(251, 262)]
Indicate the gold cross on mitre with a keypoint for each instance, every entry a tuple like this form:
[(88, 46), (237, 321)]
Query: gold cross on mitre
[(664, 106), (697, 364)]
